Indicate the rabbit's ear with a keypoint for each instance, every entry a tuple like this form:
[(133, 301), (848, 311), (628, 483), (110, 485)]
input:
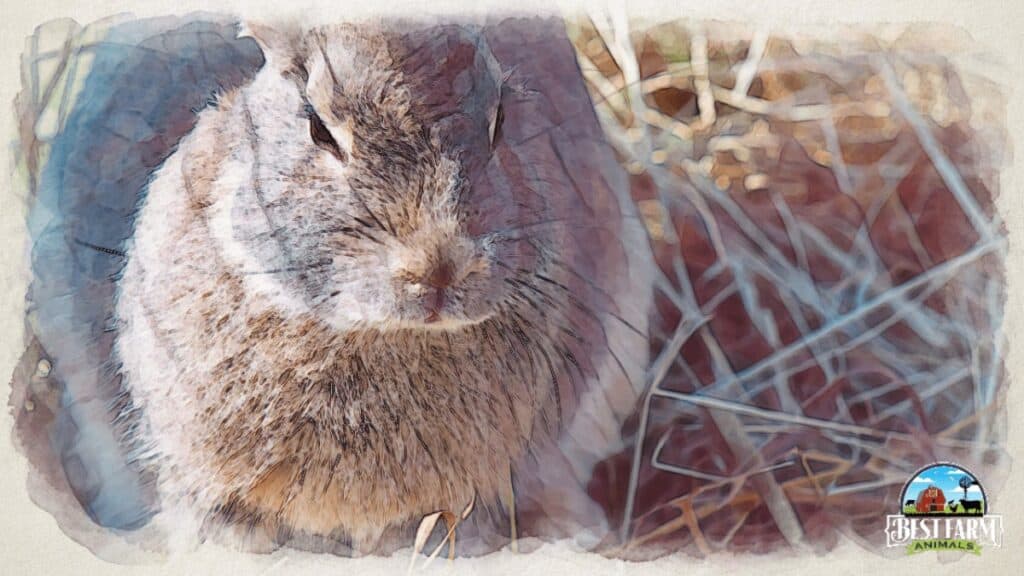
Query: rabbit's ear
[(278, 44)]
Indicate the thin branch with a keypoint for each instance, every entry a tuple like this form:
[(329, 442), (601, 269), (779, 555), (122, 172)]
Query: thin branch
[(947, 171)]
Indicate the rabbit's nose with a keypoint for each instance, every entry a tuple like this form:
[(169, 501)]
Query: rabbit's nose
[(437, 279), (440, 276)]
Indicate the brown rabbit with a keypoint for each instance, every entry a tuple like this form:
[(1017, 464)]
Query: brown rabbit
[(393, 267)]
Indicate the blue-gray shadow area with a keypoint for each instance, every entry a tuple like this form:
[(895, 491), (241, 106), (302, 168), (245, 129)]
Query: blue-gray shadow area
[(147, 82)]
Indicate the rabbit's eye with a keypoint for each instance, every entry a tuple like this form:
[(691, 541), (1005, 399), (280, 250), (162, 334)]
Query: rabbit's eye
[(322, 137), (495, 127)]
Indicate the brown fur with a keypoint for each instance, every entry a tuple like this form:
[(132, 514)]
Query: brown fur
[(263, 415)]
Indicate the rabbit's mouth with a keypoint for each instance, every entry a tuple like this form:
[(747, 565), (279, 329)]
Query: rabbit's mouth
[(440, 309), (439, 321), (450, 323)]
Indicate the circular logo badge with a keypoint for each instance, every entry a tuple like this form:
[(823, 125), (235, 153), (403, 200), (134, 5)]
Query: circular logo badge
[(943, 489)]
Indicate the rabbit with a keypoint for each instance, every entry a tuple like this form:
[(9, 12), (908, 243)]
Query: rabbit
[(372, 284)]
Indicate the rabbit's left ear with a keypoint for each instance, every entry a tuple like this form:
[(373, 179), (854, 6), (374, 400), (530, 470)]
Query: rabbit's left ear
[(278, 44)]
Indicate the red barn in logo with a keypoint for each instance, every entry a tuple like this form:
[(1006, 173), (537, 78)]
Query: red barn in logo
[(931, 499)]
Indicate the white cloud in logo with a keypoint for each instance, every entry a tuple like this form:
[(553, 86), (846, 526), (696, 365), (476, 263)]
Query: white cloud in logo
[(953, 472), (922, 480), (974, 489)]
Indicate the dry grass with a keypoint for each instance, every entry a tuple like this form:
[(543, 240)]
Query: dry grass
[(426, 528), (831, 284)]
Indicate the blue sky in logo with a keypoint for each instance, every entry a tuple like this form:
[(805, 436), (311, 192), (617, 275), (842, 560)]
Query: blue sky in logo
[(947, 479)]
